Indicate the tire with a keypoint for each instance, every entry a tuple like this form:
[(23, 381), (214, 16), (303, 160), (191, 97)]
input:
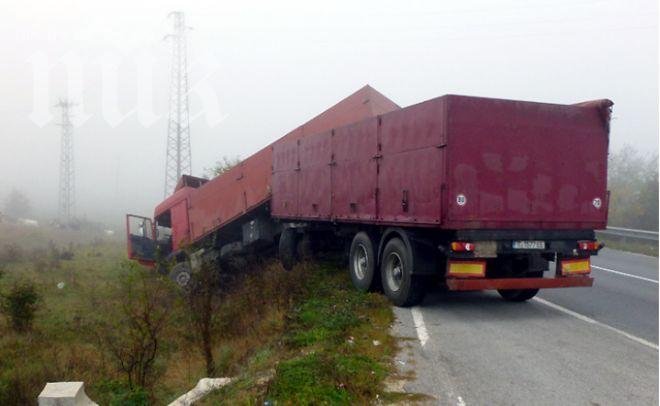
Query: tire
[(517, 295), (288, 248), (399, 284), (520, 295), (181, 274), (362, 263)]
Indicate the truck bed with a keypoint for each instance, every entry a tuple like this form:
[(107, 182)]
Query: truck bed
[(214, 204), (453, 162)]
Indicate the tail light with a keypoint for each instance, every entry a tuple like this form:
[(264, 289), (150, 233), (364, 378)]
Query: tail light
[(589, 245), (461, 246)]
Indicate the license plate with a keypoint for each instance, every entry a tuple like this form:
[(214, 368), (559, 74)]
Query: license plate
[(529, 245)]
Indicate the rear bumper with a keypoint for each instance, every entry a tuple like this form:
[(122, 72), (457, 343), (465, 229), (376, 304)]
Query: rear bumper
[(519, 283)]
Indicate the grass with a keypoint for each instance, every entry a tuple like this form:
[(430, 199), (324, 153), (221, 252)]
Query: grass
[(299, 337), (342, 342), (332, 346), (56, 348)]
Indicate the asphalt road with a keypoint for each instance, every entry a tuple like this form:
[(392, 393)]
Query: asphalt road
[(578, 346)]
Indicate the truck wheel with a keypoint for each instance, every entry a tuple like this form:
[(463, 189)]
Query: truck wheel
[(399, 284), (520, 295), (288, 248), (181, 275), (362, 262)]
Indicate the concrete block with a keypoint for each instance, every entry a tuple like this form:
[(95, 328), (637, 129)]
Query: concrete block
[(203, 387), (64, 394)]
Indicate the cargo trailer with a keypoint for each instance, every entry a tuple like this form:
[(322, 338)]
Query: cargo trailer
[(469, 192)]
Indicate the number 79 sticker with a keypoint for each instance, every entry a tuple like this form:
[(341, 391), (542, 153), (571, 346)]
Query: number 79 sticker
[(597, 202)]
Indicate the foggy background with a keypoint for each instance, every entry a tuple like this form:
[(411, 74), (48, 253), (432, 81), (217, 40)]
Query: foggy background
[(273, 65)]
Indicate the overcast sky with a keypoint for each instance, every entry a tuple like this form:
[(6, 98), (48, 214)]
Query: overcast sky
[(259, 69)]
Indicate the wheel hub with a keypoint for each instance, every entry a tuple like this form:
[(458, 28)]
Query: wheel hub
[(394, 272), (360, 261), (182, 279)]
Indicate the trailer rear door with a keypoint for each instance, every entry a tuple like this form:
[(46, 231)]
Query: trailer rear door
[(515, 164)]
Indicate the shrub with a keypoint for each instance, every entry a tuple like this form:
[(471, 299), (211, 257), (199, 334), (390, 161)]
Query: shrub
[(15, 389), (134, 329), (20, 305), (25, 371)]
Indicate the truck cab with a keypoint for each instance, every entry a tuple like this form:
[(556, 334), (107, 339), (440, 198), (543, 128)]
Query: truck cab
[(149, 241)]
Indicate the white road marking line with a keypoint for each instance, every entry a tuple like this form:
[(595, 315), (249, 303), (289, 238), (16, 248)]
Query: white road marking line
[(624, 274), (596, 322), (420, 327)]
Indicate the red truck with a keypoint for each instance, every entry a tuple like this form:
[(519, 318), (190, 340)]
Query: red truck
[(472, 193)]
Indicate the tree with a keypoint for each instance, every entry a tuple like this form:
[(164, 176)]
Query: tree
[(221, 166), (20, 305), (203, 298), (633, 185), (17, 204), (649, 194)]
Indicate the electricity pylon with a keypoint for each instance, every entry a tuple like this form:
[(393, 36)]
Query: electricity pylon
[(67, 189), (178, 158)]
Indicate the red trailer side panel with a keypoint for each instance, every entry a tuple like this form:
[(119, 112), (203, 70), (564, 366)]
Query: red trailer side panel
[(315, 154), (366, 102), (285, 166), (388, 170), (412, 164), (257, 172), (217, 202), (354, 171)]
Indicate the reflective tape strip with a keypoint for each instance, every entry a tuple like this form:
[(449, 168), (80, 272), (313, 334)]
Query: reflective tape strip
[(466, 269), (575, 266)]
